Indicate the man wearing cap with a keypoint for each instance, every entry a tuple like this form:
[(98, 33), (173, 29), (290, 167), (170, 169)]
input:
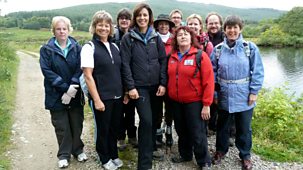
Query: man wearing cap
[(163, 26)]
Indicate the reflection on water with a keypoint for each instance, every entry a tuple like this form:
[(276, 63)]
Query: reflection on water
[(283, 66)]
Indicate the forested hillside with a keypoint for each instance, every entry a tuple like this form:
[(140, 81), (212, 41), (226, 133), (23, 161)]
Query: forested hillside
[(81, 15)]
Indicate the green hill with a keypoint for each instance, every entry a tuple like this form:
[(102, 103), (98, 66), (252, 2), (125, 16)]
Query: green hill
[(81, 14), (162, 6)]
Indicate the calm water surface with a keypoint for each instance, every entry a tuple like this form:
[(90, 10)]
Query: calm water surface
[(283, 66)]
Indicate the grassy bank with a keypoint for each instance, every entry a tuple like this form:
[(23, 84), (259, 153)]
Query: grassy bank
[(8, 76), (278, 126), (31, 40)]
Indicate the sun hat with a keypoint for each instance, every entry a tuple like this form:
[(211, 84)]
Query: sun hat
[(163, 17)]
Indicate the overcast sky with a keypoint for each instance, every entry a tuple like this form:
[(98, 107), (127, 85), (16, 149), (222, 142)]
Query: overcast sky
[(8, 6)]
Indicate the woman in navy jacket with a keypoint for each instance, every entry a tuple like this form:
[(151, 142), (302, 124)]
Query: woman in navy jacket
[(144, 74), (60, 65), (101, 64)]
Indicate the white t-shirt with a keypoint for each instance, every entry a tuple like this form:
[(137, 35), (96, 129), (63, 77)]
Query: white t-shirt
[(87, 55)]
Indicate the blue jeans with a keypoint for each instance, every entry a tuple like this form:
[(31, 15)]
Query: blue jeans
[(243, 132)]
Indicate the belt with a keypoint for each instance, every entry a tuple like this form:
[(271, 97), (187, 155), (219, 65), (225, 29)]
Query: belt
[(239, 81)]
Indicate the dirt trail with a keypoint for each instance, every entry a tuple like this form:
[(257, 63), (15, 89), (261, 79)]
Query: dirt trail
[(34, 141), (33, 134)]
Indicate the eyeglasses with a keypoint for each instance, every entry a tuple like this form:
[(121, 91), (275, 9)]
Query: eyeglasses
[(124, 18), (176, 17)]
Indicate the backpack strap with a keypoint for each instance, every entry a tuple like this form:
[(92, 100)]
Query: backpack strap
[(198, 62), (246, 48)]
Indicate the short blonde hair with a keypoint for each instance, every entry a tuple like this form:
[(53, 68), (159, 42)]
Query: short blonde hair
[(101, 16), (175, 11), (192, 16), (57, 19)]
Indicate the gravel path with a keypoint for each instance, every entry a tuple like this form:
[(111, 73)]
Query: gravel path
[(34, 142)]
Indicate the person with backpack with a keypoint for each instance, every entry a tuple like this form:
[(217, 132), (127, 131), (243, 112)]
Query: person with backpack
[(101, 64), (164, 26), (214, 24), (144, 73), (239, 76), (127, 125), (194, 22), (191, 89), (60, 66)]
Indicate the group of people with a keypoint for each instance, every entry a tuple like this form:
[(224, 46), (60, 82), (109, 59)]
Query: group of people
[(203, 78)]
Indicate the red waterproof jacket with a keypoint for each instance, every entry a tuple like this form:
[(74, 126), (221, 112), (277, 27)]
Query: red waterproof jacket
[(183, 86), (168, 46)]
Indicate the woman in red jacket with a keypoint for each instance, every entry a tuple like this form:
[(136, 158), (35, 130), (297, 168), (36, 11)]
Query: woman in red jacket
[(191, 90)]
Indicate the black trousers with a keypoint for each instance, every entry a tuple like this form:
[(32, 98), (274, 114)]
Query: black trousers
[(191, 129), (107, 127), (127, 124), (148, 106), (68, 124)]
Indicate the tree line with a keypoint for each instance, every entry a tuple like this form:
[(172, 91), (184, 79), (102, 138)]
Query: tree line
[(283, 31)]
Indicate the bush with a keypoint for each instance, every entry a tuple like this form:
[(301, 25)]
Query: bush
[(8, 76), (278, 125)]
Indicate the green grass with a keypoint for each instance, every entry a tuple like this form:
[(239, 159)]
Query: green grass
[(8, 72), (31, 40)]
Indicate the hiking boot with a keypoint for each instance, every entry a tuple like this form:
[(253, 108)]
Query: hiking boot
[(63, 163), (121, 145), (82, 157), (109, 165), (218, 158), (133, 142), (179, 159), (247, 164), (118, 162), (169, 136), (158, 155)]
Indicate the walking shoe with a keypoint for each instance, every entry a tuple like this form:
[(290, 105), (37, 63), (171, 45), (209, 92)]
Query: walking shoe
[(231, 142), (217, 158), (206, 166), (118, 162), (179, 159), (63, 163), (158, 155), (133, 142), (247, 164), (121, 145), (82, 157), (109, 165)]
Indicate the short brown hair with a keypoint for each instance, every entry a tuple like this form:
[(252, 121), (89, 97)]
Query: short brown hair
[(124, 12), (232, 20), (214, 13)]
